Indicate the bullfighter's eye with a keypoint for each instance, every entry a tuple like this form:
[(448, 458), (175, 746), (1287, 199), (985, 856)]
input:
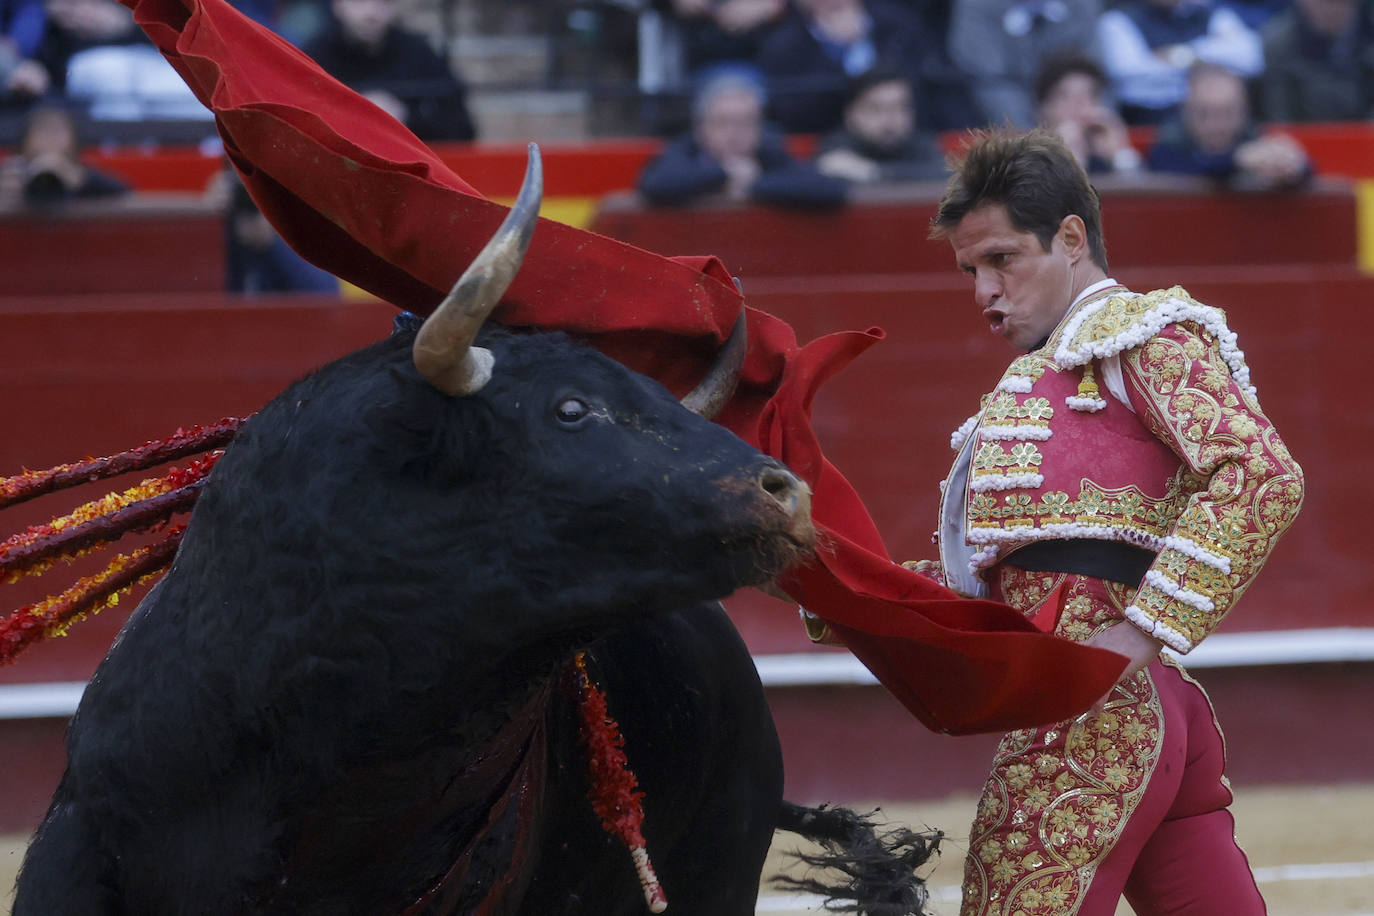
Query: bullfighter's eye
[(570, 410)]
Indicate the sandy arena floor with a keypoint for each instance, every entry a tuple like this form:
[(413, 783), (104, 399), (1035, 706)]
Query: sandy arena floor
[(1312, 850)]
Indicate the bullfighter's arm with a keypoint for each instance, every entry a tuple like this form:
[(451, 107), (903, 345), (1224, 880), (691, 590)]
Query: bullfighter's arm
[(1249, 491)]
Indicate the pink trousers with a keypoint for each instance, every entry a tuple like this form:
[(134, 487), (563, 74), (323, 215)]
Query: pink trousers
[(1131, 801), (1178, 855)]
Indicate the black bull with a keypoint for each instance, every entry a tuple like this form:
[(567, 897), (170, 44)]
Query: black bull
[(348, 695)]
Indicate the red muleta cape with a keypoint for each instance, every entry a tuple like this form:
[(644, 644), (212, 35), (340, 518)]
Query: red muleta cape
[(357, 194)]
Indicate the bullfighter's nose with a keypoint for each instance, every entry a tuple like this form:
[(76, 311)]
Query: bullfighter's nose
[(787, 489)]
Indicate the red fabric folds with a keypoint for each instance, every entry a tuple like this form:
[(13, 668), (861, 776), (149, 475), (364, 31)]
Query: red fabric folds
[(355, 193)]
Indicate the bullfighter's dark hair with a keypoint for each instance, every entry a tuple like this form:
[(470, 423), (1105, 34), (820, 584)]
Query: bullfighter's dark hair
[(1033, 175)]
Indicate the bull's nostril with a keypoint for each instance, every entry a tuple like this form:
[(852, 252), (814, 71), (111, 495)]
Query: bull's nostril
[(781, 484)]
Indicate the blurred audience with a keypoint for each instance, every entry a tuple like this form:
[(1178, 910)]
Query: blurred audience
[(879, 140), (720, 31), (1319, 62), (1071, 100), (21, 29), (364, 48), (257, 259), (1002, 45), (1148, 46), (1215, 136), (1257, 13), (70, 27), (47, 168), (730, 152), (131, 82), (812, 55)]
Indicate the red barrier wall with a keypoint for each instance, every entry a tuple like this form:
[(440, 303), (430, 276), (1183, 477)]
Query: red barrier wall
[(169, 244), (1148, 221)]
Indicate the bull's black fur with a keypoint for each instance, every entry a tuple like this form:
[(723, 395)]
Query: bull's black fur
[(376, 595)]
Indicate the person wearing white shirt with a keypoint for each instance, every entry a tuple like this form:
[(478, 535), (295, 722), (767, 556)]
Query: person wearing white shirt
[(1148, 46)]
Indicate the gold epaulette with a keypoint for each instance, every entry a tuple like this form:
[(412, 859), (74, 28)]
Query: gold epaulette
[(1107, 327)]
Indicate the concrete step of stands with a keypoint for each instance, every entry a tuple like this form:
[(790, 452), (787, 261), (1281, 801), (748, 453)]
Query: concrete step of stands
[(505, 75), (524, 114), (500, 60)]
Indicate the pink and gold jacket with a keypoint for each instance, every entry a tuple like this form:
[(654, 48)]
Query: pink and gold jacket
[(1135, 422)]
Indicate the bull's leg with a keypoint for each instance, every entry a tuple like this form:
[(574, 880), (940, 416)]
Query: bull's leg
[(699, 737), (65, 871)]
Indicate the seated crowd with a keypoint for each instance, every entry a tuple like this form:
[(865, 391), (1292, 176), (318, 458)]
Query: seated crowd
[(1209, 80), (875, 82), (967, 63), (90, 56)]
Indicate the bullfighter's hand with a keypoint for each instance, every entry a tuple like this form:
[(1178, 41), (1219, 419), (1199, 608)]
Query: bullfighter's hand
[(1129, 640)]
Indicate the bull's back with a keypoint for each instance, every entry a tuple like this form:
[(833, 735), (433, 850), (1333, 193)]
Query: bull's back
[(701, 740)]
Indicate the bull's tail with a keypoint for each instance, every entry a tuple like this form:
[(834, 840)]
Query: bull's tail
[(862, 868)]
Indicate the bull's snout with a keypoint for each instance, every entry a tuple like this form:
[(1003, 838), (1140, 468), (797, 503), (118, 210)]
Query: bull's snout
[(793, 497), (787, 489)]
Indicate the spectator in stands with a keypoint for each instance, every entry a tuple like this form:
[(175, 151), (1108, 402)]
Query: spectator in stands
[(91, 52), (257, 260), (1002, 45), (812, 55), (1214, 136), (723, 31), (47, 168), (730, 152), (1148, 46), (879, 140), (70, 27), (1071, 100), (1319, 62), (364, 48), (298, 21), (1257, 13), (21, 29)]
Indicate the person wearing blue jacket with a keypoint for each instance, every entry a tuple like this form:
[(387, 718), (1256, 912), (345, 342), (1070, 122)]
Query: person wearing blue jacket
[(730, 153)]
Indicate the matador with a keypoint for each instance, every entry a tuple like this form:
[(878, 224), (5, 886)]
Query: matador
[(1121, 487)]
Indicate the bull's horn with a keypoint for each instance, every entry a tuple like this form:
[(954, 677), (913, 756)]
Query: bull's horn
[(716, 389), (443, 350)]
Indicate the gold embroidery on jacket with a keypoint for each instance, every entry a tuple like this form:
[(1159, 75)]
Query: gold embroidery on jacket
[(1253, 492), (1126, 508)]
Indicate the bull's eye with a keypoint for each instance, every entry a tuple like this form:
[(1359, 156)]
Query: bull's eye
[(570, 410)]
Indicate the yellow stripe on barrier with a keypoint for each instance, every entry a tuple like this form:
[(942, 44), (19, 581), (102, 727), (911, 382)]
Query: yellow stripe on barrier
[(569, 209), (1364, 229)]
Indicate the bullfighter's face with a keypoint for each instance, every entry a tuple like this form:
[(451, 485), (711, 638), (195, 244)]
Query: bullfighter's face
[(1023, 287)]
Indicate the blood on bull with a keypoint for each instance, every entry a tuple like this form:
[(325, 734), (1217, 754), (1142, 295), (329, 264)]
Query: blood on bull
[(363, 685)]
